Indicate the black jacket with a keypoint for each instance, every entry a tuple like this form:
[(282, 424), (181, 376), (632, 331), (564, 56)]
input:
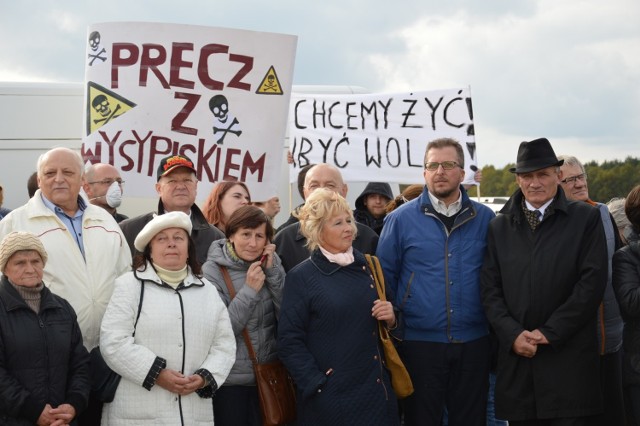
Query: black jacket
[(42, 358), (202, 233), (626, 283), (291, 244), (361, 213), (553, 280)]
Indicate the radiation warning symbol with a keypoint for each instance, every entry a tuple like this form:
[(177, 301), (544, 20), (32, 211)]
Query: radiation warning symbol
[(270, 84), (104, 106)]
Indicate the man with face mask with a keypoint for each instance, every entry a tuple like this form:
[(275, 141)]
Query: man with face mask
[(103, 186)]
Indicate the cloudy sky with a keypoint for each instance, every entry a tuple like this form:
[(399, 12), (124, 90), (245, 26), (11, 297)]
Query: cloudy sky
[(567, 70)]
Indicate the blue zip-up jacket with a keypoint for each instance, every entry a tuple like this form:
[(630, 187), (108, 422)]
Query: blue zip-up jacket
[(434, 275)]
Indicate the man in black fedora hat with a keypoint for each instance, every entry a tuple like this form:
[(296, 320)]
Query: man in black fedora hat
[(542, 281)]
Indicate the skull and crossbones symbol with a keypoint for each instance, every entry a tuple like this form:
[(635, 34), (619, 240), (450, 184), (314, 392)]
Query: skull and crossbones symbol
[(271, 84), (219, 106), (94, 44), (101, 104)]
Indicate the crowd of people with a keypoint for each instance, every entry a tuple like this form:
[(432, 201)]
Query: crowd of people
[(530, 316)]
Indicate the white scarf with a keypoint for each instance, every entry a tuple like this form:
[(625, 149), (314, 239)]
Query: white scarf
[(342, 259)]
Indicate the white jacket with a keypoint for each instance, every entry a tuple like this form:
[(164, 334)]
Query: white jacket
[(86, 284), (188, 327)]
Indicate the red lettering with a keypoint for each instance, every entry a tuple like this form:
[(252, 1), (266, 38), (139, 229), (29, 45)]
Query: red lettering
[(154, 150), (248, 165), (247, 65), (182, 115), (203, 65), (123, 154), (120, 59), (150, 62), (177, 62)]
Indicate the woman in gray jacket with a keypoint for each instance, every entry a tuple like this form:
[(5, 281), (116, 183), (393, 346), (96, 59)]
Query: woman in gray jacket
[(257, 276)]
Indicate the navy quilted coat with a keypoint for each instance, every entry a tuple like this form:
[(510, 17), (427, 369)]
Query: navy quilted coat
[(326, 323)]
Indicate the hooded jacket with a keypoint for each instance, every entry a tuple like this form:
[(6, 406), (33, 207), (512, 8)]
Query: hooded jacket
[(361, 213)]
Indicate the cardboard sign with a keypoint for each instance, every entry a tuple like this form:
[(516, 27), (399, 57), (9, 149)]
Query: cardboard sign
[(218, 96), (379, 137)]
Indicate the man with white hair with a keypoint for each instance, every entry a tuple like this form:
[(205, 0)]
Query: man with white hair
[(87, 250), (610, 324)]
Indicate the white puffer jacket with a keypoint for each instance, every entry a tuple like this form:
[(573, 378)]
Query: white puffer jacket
[(189, 327)]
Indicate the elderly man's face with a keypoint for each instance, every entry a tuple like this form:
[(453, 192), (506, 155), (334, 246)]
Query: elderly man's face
[(539, 186), (25, 268), (574, 182), (60, 179), (178, 190), (324, 176)]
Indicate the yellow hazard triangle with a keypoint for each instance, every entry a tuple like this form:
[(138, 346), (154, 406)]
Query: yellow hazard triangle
[(104, 106), (270, 84)]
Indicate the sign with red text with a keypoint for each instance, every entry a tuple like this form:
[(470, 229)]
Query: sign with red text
[(379, 137), (218, 96)]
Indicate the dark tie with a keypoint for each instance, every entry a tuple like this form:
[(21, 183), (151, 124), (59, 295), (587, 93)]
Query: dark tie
[(538, 214)]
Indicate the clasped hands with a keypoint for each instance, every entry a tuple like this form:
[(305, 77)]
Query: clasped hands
[(526, 344), (176, 382)]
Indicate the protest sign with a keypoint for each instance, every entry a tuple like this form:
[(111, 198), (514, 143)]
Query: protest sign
[(379, 137), (219, 96)]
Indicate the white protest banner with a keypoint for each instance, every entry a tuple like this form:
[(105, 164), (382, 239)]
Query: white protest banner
[(218, 96), (379, 137)]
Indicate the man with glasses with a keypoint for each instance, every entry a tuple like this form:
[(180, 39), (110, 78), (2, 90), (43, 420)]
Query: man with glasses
[(574, 184), (542, 280), (103, 186), (177, 187), (431, 250)]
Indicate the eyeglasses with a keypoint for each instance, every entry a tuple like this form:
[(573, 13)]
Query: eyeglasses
[(432, 166), (107, 182), (577, 178)]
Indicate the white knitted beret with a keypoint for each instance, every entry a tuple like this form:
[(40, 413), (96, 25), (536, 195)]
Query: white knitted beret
[(19, 241), (159, 223)]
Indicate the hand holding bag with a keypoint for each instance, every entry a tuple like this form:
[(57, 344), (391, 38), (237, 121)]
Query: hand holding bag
[(400, 379), (276, 391), (105, 381)]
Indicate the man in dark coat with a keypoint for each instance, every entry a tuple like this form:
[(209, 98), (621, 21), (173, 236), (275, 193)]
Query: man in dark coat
[(542, 281), (177, 188), (291, 244), (371, 205)]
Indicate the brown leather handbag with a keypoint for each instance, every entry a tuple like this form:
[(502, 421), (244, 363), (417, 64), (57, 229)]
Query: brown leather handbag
[(276, 390), (400, 379)]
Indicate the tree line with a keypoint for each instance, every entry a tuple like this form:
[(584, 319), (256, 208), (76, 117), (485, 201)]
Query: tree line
[(606, 181)]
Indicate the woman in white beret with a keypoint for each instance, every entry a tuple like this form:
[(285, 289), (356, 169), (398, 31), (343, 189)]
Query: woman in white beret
[(44, 368), (183, 347)]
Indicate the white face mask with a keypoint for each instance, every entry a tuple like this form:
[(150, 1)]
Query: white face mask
[(114, 195)]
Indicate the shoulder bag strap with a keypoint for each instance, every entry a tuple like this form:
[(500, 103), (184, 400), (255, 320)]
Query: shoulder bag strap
[(376, 271), (232, 293), (139, 307)]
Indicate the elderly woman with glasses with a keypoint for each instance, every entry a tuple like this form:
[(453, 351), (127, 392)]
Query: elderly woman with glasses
[(166, 332), (328, 326)]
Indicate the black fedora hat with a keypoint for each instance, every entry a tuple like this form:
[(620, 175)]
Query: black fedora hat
[(535, 155)]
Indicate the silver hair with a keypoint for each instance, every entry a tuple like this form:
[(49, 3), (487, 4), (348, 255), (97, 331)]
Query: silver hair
[(616, 208), (76, 156), (572, 161)]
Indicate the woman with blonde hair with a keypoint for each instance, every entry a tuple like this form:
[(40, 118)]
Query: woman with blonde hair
[(328, 326)]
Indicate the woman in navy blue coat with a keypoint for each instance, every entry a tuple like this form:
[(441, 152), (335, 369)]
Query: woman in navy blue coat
[(328, 327)]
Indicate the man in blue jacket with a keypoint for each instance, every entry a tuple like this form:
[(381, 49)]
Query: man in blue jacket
[(431, 250)]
